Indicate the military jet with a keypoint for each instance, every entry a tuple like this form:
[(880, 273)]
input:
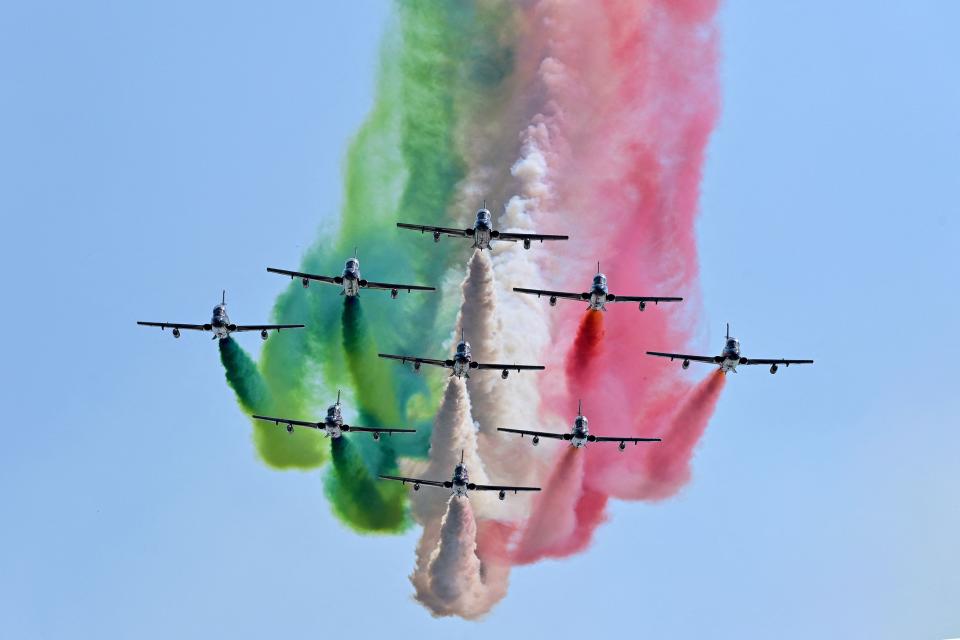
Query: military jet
[(730, 358), (482, 232), (351, 280), (598, 296), (462, 362), (579, 436), (220, 324), (460, 483), (332, 424)]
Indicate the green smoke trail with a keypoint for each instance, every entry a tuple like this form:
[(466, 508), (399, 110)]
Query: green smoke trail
[(440, 61), (358, 497), (277, 447)]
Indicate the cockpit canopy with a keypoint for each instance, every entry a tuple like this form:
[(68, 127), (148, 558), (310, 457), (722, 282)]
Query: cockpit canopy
[(483, 215), (219, 310), (463, 347), (581, 423), (600, 280), (331, 410), (460, 472), (352, 264), (732, 344)]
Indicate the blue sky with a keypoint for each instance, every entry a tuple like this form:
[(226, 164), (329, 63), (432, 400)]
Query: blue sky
[(151, 155)]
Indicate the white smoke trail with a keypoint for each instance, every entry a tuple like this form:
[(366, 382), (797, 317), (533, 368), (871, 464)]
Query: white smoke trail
[(452, 580)]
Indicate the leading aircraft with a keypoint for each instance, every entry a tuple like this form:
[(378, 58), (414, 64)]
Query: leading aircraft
[(460, 483), (482, 232), (730, 358), (220, 324), (351, 280), (462, 362), (332, 424), (598, 296), (579, 436)]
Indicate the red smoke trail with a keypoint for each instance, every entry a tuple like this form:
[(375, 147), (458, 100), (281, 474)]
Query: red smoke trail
[(564, 514), (668, 465), (629, 122), (587, 346)]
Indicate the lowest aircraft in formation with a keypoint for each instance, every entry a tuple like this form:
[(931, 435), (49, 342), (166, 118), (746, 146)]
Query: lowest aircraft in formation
[(482, 232), (460, 483), (220, 324), (580, 435), (351, 281), (598, 296), (462, 362), (729, 358), (332, 425)]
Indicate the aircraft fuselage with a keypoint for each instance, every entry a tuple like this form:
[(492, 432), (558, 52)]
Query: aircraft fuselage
[(333, 422), (220, 322), (482, 230), (581, 430), (598, 298), (351, 278), (730, 355), (460, 480), (461, 360)]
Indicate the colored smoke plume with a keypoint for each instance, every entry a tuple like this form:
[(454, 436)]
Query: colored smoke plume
[(564, 514), (300, 449), (455, 580), (581, 365), (358, 497)]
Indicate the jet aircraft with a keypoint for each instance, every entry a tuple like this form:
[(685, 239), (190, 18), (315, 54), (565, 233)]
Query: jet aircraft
[(460, 483), (350, 280), (482, 232), (462, 362), (598, 296), (579, 436), (730, 358), (332, 425), (220, 324)]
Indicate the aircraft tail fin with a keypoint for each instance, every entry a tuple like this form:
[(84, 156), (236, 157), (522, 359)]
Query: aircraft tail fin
[(461, 456), (728, 331), (579, 407), (223, 298)]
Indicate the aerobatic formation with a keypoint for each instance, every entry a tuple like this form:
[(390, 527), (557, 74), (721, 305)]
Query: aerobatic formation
[(585, 118)]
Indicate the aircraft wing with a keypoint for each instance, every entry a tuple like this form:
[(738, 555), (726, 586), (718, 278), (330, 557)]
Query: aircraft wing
[(773, 361), (496, 487), (308, 276), (554, 294), (457, 233), (653, 299), (175, 325), (516, 237), (416, 481), (415, 360), (264, 327), (399, 287), (372, 430), (593, 438), (542, 434), (508, 367), (293, 423), (683, 356)]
